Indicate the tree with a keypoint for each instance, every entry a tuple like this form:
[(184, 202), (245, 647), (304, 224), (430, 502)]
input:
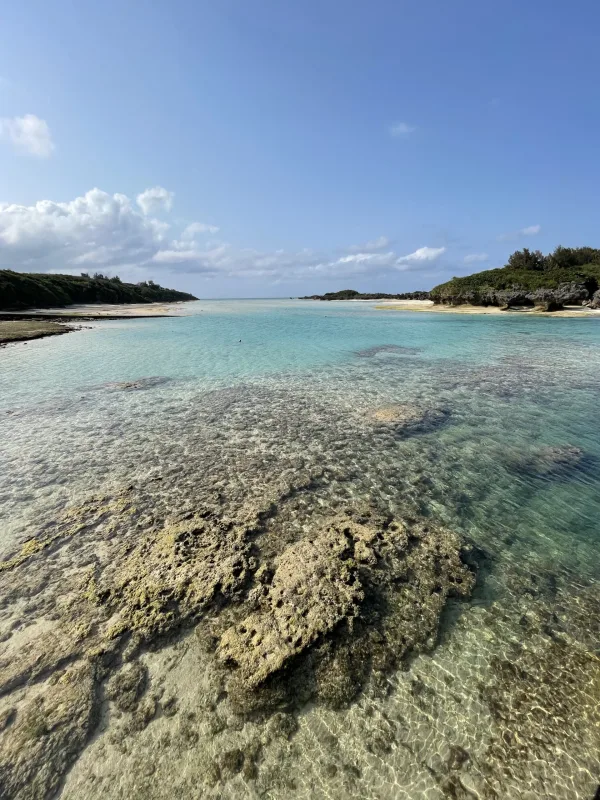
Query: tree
[(526, 259), (570, 257)]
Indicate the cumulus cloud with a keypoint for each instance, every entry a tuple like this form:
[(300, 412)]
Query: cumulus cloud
[(98, 228), (401, 129), (530, 230), (28, 134), (422, 255), (476, 258), (155, 200), (113, 233)]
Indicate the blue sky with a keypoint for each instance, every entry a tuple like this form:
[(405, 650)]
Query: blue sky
[(296, 147)]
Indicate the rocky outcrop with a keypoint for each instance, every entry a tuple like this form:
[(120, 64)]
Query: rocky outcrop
[(286, 623), (571, 293), (353, 598), (314, 587), (173, 576), (595, 301)]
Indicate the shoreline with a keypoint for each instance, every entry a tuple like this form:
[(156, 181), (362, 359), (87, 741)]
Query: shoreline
[(39, 323), (27, 330), (572, 312)]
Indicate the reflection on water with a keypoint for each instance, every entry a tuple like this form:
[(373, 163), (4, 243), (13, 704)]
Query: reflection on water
[(486, 427)]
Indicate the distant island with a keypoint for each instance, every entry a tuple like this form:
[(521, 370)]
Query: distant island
[(20, 290), (352, 294), (570, 276)]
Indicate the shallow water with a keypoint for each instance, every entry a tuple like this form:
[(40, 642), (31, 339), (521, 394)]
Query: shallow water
[(185, 415)]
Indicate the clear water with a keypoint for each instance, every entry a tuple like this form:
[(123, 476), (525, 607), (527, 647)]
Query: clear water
[(232, 417)]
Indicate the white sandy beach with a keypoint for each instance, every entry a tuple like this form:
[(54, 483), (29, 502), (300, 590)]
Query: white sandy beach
[(111, 310), (429, 305)]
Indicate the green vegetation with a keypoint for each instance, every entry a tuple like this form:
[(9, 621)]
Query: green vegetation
[(43, 290), (352, 294), (569, 275)]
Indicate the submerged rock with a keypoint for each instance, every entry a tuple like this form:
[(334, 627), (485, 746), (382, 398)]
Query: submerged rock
[(127, 686), (354, 597), (550, 461), (369, 352), (135, 385), (407, 415), (48, 734)]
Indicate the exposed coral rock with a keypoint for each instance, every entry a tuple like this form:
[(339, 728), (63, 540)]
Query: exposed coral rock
[(173, 575), (354, 597), (315, 585)]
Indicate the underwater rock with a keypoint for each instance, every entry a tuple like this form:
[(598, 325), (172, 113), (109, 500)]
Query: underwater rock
[(354, 597), (369, 352), (407, 415), (127, 686), (47, 735), (546, 462), (135, 385)]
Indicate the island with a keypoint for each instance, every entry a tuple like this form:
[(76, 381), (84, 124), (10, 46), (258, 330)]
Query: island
[(565, 281), (570, 276), (23, 294), (352, 294), (19, 290)]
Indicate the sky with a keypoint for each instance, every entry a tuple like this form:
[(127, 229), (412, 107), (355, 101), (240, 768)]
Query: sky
[(274, 149)]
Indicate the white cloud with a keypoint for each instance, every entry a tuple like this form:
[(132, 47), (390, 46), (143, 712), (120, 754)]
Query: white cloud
[(476, 258), (532, 230), (28, 134), (375, 244), (422, 255), (196, 228), (98, 228), (155, 200), (113, 234), (401, 129)]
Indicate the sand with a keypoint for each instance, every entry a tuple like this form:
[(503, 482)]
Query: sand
[(101, 310), (428, 305)]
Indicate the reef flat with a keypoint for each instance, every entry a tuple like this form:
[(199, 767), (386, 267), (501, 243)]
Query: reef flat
[(374, 578)]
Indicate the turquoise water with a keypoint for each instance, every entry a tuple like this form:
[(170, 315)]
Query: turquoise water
[(510, 460)]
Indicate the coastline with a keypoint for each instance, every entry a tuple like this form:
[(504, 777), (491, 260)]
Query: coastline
[(573, 312), (39, 323), (12, 331)]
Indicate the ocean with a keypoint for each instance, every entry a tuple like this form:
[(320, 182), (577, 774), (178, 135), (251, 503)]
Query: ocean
[(181, 470)]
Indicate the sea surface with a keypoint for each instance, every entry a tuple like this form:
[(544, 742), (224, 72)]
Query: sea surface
[(233, 401)]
